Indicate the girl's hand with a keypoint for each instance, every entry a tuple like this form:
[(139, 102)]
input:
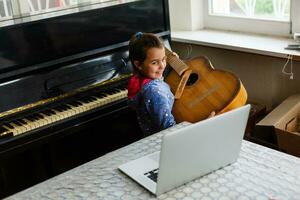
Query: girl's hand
[(175, 54), (212, 114)]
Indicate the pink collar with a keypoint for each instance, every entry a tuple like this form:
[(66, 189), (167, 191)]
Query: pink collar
[(136, 82)]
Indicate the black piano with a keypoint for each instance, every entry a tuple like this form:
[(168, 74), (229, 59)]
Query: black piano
[(63, 89)]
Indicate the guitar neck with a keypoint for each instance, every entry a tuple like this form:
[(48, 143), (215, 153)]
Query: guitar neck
[(178, 65)]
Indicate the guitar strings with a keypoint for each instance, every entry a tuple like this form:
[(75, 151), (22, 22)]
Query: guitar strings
[(175, 61)]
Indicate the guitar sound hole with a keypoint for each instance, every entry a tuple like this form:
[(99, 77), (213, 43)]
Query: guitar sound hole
[(192, 79)]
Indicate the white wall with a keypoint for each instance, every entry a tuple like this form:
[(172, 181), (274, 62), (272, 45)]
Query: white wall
[(186, 14)]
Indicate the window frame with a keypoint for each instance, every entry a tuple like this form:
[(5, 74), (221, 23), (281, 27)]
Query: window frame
[(252, 25)]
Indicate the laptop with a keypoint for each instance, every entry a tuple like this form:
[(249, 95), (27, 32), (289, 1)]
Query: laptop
[(191, 152)]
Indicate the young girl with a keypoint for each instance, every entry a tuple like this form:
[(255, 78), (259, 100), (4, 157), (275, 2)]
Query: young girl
[(148, 94)]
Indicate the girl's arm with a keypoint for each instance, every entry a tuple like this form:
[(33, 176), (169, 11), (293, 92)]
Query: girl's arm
[(159, 104)]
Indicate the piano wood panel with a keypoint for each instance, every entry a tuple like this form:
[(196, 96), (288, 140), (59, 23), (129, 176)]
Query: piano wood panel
[(24, 167)]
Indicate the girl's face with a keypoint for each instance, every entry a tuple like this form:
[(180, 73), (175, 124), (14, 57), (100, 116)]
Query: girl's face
[(154, 64)]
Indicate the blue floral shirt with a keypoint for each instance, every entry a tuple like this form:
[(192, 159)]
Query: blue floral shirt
[(153, 105)]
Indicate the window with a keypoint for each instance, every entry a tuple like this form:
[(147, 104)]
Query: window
[(5, 9), (274, 17), (256, 9), (18, 11)]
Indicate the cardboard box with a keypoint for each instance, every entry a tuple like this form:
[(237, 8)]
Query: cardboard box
[(284, 120), (257, 113)]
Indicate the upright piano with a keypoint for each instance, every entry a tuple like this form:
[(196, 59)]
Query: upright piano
[(63, 89)]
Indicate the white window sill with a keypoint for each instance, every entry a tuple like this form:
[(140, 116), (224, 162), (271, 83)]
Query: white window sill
[(258, 44)]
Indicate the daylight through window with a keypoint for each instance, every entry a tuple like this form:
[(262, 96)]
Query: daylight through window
[(259, 9)]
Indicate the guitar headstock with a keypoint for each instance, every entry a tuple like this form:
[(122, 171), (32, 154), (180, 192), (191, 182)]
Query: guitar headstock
[(175, 62)]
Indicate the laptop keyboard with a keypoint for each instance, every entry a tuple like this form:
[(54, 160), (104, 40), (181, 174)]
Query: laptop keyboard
[(152, 175)]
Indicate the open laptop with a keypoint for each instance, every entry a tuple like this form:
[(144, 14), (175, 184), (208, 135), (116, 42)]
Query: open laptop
[(191, 152)]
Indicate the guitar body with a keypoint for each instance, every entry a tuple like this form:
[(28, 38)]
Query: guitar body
[(206, 90)]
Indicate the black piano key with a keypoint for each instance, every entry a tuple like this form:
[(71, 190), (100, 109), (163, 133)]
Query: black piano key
[(46, 112), (117, 90), (49, 112), (67, 107), (85, 100), (93, 98), (58, 109), (30, 118), (3, 129), (73, 103), (12, 125), (52, 112), (88, 99), (8, 125), (79, 103), (34, 116), (22, 121), (17, 123), (100, 95), (108, 93), (113, 91), (39, 116), (64, 108)]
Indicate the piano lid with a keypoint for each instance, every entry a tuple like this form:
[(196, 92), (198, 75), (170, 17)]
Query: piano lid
[(44, 43)]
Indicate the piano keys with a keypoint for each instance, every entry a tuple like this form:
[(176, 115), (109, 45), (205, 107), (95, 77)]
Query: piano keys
[(59, 112)]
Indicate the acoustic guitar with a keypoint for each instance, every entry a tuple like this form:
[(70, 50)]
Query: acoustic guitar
[(205, 89)]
